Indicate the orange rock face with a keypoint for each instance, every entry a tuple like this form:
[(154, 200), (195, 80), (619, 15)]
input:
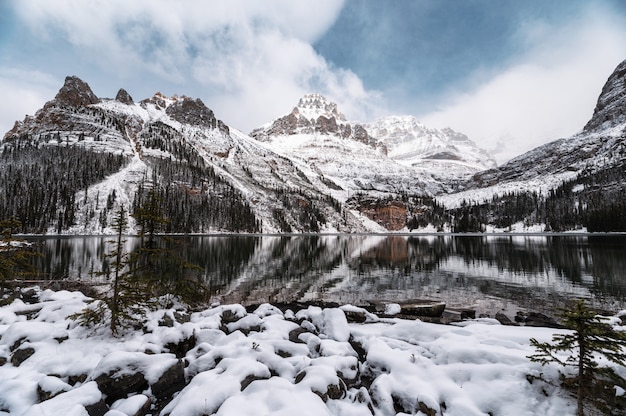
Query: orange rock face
[(392, 216)]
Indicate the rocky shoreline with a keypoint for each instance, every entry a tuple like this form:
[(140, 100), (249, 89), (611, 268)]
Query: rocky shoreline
[(278, 359)]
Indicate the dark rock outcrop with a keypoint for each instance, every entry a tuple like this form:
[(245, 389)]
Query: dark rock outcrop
[(50, 387), (75, 92), (610, 109), (172, 381), (194, 112), (118, 386), (505, 320), (97, 409), (537, 319), (124, 97)]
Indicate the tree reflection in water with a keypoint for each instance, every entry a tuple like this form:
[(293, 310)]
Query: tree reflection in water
[(488, 273)]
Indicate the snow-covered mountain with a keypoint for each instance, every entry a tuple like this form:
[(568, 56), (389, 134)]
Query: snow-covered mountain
[(216, 176), (68, 169), (599, 146), (347, 159), (447, 154), (392, 155)]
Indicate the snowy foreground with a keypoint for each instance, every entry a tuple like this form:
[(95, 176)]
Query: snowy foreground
[(225, 361)]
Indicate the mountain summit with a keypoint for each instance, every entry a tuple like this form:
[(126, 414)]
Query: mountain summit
[(399, 151), (75, 92), (313, 106), (611, 106), (410, 142), (314, 114)]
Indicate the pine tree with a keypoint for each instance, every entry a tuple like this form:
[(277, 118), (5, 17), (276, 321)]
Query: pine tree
[(158, 262), (128, 298), (591, 338)]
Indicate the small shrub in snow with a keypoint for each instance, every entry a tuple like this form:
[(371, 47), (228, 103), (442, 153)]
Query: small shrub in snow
[(592, 338)]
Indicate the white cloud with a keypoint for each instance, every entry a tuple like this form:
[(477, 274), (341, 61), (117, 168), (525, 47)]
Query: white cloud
[(33, 89), (248, 60), (548, 93)]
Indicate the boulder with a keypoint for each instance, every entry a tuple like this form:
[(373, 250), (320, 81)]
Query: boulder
[(121, 374), (171, 381), (505, 320), (21, 355), (539, 320), (182, 347), (118, 386), (50, 386), (323, 381), (99, 408)]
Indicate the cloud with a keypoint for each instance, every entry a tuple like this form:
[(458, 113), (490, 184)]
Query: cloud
[(33, 89), (248, 60), (549, 92)]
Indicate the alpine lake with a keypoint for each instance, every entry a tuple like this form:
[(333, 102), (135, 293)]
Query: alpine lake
[(484, 273)]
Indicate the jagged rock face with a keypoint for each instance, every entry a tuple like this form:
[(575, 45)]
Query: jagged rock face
[(314, 114), (315, 105), (194, 112), (586, 151), (124, 97), (326, 125), (159, 100), (75, 92), (391, 215), (611, 106)]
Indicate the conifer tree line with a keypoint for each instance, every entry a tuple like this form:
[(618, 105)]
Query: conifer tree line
[(41, 177), (38, 183), (194, 197), (594, 199)]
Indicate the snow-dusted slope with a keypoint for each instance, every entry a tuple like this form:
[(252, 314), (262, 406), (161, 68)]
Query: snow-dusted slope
[(447, 154), (393, 155), (161, 136), (600, 146)]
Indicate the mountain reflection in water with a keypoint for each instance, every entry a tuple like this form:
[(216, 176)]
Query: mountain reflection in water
[(486, 273)]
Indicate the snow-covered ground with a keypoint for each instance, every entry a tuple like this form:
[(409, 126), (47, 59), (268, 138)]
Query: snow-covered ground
[(225, 361)]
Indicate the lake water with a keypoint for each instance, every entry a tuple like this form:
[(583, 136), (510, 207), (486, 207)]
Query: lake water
[(485, 273)]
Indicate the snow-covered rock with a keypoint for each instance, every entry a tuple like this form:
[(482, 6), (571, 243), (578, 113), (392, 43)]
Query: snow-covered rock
[(384, 367)]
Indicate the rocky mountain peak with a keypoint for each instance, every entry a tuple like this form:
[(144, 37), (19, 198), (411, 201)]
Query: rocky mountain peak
[(75, 92), (410, 142), (611, 106), (314, 114), (124, 97), (189, 111), (312, 106)]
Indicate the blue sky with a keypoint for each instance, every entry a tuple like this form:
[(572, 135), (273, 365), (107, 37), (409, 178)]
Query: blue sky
[(510, 74)]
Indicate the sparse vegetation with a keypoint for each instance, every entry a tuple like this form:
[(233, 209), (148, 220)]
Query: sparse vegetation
[(592, 344)]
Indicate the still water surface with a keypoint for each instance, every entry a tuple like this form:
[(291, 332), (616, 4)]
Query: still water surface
[(485, 273)]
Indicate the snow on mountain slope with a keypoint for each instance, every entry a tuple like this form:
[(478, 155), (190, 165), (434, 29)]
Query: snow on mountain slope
[(599, 146), (393, 155), (170, 135), (447, 154)]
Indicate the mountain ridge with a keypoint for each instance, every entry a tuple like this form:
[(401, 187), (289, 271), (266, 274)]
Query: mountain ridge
[(69, 167)]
